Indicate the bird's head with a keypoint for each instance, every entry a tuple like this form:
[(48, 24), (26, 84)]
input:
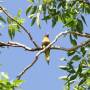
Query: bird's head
[(47, 35)]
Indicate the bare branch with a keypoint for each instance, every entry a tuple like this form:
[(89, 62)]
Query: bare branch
[(86, 43), (26, 31), (41, 51), (16, 44)]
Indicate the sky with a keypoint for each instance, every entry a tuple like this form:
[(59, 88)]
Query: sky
[(41, 76)]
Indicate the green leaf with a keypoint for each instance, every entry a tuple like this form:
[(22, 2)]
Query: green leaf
[(44, 9), (63, 78), (19, 12), (33, 9), (72, 77), (71, 68), (88, 81), (79, 26), (28, 10), (64, 67), (54, 21), (11, 33), (75, 58), (46, 17), (31, 1), (79, 69), (83, 50), (38, 19), (69, 23), (63, 59), (33, 21), (70, 53), (9, 20), (83, 19), (19, 20), (84, 62), (2, 19), (73, 41), (3, 76), (11, 30), (17, 83), (31, 15), (82, 81)]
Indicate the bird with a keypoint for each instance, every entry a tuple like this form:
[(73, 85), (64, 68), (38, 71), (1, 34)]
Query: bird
[(45, 43)]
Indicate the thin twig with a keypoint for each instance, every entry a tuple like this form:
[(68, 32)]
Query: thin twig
[(26, 31)]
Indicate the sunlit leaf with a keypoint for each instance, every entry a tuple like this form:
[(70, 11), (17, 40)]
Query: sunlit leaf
[(64, 67), (3, 76), (38, 19), (71, 53), (63, 78), (19, 12), (17, 82), (11, 31)]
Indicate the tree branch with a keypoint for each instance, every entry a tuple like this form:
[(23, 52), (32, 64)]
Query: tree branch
[(86, 43), (16, 44), (25, 30), (80, 34), (41, 51)]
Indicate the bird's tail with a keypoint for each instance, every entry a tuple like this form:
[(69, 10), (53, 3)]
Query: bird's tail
[(47, 55)]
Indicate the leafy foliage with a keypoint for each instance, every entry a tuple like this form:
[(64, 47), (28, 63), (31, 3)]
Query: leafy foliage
[(13, 26), (5, 84), (78, 74)]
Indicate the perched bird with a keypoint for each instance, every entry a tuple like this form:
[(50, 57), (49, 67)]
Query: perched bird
[(46, 42)]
